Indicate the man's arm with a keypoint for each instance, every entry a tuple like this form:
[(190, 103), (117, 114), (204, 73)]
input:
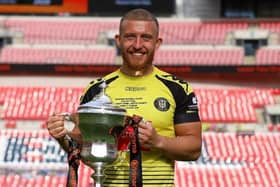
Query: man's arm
[(75, 134), (55, 125), (186, 146)]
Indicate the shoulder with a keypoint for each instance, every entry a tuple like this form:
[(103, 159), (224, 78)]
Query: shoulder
[(107, 78), (93, 88), (173, 83)]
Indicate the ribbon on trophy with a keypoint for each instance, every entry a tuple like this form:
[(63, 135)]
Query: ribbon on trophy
[(74, 158), (135, 178), (127, 136)]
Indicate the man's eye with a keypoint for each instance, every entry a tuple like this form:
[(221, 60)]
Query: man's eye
[(147, 38), (129, 37)]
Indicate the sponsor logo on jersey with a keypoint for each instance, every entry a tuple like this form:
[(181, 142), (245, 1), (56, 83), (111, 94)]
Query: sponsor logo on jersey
[(161, 104), (134, 89), (193, 106), (194, 100)]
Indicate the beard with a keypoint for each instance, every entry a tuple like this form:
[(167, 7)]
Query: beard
[(138, 63)]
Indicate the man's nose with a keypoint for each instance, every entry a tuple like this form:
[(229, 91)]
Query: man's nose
[(137, 43)]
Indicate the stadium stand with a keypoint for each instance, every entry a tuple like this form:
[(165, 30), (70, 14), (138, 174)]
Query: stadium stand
[(53, 30), (69, 31), (216, 105), (48, 54), (272, 26), (268, 56), (240, 140), (227, 160), (104, 55), (199, 55), (225, 155)]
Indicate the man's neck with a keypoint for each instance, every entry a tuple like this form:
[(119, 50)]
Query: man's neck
[(136, 73)]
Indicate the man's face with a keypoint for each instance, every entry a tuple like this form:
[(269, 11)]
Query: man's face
[(138, 41)]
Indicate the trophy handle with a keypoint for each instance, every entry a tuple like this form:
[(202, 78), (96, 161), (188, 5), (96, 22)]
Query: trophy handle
[(71, 120)]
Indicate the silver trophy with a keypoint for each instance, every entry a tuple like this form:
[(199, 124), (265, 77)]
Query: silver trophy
[(95, 121)]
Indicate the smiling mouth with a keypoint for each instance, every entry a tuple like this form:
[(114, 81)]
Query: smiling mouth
[(137, 53)]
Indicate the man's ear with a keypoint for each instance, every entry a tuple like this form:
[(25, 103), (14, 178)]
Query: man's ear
[(159, 41), (117, 40)]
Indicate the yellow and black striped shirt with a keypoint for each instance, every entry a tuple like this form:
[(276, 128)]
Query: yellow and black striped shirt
[(158, 97)]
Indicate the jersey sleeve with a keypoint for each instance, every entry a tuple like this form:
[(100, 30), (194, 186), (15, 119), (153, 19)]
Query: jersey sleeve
[(93, 88), (187, 108), (90, 91)]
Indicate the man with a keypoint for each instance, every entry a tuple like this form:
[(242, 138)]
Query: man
[(172, 130)]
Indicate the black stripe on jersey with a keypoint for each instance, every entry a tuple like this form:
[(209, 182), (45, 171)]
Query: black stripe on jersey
[(185, 110), (95, 90)]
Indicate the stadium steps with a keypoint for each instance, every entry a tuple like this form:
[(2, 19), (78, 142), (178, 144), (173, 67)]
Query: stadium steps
[(249, 60), (260, 115), (277, 99), (273, 38)]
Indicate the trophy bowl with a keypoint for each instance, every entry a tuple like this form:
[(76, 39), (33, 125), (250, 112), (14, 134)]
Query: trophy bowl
[(95, 121)]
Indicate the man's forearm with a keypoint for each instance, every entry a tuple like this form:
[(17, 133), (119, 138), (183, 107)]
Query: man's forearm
[(64, 143), (184, 148), (74, 135)]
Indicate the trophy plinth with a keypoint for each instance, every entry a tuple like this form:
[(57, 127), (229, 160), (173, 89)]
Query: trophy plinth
[(96, 119)]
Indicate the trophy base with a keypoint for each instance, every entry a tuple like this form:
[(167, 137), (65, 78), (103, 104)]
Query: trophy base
[(98, 175)]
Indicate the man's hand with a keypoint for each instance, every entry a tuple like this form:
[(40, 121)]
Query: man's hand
[(185, 146), (55, 126), (148, 136)]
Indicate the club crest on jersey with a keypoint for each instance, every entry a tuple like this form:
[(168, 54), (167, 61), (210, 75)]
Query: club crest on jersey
[(161, 104)]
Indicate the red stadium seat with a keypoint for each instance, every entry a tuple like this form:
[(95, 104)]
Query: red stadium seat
[(32, 55), (278, 127), (10, 125), (199, 56)]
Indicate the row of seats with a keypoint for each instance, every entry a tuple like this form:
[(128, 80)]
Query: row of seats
[(268, 56), (232, 160), (87, 31), (252, 176), (256, 148), (48, 55), (107, 56), (233, 105), (37, 103), (273, 26), (14, 180), (256, 97), (25, 147), (230, 56), (216, 105), (228, 113)]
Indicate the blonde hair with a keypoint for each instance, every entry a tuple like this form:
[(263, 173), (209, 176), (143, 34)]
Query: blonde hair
[(140, 15)]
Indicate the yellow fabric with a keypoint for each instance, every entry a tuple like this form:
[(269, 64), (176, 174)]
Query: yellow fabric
[(138, 95)]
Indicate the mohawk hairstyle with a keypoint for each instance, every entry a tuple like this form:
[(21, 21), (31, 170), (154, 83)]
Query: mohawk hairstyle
[(139, 14)]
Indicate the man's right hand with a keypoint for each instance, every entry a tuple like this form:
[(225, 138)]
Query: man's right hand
[(55, 126)]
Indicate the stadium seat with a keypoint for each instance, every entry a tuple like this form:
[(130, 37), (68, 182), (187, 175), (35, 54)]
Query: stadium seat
[(278, 127), (10, 124), (271, 127)]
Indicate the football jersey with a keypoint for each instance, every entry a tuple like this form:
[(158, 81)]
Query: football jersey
[(158, 97)]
